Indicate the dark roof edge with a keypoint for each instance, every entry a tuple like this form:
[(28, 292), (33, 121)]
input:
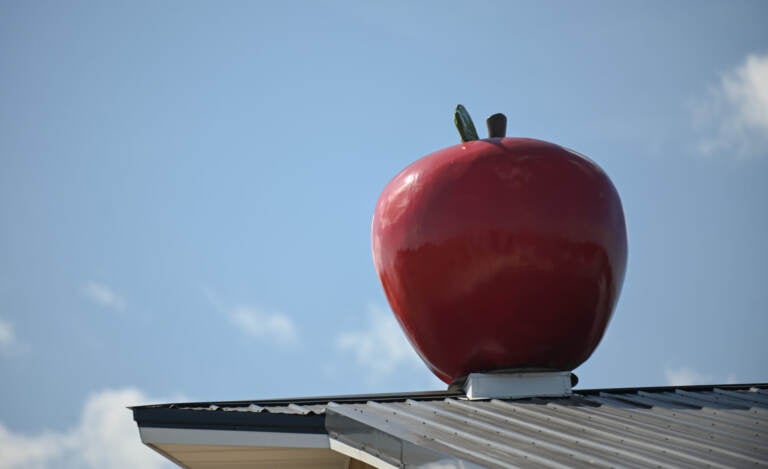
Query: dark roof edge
[(314, 400), (420, 395), (159, 417)]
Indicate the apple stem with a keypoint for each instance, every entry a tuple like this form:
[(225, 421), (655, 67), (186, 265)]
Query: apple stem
[(497, 126), (464, 124)]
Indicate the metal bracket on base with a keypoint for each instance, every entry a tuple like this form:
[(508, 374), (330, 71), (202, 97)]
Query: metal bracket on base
[(518, 385)]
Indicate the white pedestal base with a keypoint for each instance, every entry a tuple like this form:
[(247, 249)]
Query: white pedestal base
[(518, 385)]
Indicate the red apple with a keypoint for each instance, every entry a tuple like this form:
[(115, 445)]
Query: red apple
[(501, 253)]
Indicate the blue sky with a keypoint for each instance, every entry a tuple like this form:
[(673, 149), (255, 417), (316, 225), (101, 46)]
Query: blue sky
[(186, 190)]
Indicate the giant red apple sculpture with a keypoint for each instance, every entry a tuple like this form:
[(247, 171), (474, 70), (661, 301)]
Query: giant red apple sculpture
[(500, 253)]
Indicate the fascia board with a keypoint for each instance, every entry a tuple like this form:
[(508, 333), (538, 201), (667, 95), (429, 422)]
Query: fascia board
[(188, 436)]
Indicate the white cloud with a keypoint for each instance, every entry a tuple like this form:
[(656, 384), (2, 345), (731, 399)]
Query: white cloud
[(257, 323), (105, 437), (273, 327), (7, 335), (734, 116), (103, 295), (684, 376), (276, 327), (381, 348)]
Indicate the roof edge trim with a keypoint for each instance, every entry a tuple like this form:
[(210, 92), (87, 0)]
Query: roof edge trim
[(220, 420)]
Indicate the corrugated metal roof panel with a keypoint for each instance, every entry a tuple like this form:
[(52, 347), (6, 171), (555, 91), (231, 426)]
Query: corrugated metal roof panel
[(678, 427)]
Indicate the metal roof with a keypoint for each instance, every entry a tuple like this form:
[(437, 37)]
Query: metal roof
[(688, 426)]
